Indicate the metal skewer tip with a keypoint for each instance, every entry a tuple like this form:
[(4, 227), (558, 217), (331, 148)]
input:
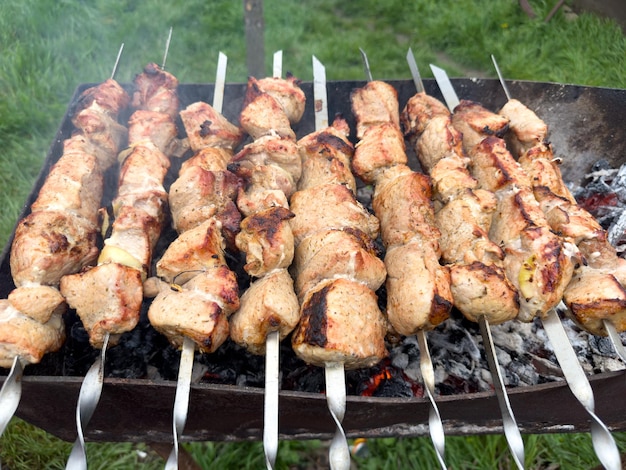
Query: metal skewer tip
[(501, 78), (167, 47), (366, 64), (117, 61), (415, 73)]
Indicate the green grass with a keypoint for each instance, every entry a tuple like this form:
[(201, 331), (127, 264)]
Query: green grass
[(48, 48)]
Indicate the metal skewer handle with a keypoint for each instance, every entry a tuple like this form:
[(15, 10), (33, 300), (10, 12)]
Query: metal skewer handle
[(511, 430), (435, 425), (11, 393), (339, 454), (88, 398)]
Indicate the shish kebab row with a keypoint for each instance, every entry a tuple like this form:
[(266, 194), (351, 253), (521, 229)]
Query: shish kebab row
[(564, 213)]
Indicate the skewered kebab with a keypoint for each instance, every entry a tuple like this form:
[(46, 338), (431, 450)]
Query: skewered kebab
[(595, 297), (195, 290), (58, 237), (495, 168), (139, 211), (418, 287), (341, 325), (480, 288), (270, 168)]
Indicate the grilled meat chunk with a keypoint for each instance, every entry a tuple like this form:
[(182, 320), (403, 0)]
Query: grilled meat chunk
[(107, 299), (286, 92), (207, 128), (475, 123), (381, 147), (337, 315), (416, 115), (199, 309), (326, 155), (528, 130), (156, 90), (23, 336), (331, 254), (329, 206), (192, 252), (50, 244), (374, 104), (269, 304), (267, 241)]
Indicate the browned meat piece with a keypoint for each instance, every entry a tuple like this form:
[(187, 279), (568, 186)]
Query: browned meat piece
[(331, 254), (483, 289), (267, 241), (475, 123), (29, 339), (494, 167), (109, 97), (192, 252), (272, 150), (527, 129), (198, 194), (382, 146), (537, 261), (329, 207), (374, 104), (593, 296), (107, 298), (402, 201), (417, 114), (418, 287), (199, 309), (38, 302), (286, 92), (450, 179), (50, 244), (543, 169), (439, 140), (263, 115), (326, 157), (269, 304), (207, 128), (337, 315), (155, 90), (74, 185), (103, 132), (464, 223), (154, 127), (268, 177)]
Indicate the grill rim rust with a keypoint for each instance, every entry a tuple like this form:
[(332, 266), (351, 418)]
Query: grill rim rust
[(586, 124)]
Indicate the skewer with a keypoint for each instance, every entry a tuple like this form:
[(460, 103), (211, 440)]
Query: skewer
[(334, 372), (435, 424), (610, 328), (91, 388), (603, 441), (272, 357), (11, 391), (185, 370), (511, 429)]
